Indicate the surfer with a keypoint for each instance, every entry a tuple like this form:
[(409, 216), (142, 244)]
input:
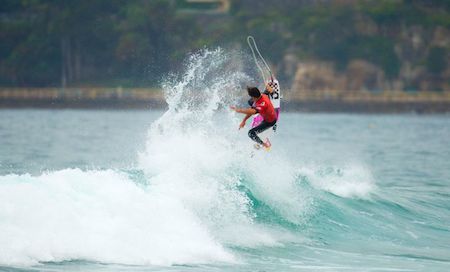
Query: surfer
[(262, 105), (273, 92)]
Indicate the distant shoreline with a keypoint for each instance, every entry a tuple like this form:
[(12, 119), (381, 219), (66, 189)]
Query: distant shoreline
[(307, 101)]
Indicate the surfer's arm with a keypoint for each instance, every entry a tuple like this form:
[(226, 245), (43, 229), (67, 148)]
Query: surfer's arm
[(249, 111), (244, 120), (268, 89)]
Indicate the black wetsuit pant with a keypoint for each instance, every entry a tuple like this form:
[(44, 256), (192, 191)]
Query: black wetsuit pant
[(252, 133)]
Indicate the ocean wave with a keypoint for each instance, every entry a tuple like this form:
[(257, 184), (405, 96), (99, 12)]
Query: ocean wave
[(198, 190), (100, 216)]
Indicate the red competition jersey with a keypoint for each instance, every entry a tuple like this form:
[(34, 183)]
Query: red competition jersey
[(264, 107)]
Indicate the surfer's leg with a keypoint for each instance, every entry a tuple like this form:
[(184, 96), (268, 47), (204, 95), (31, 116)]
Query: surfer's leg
[(253, 133)]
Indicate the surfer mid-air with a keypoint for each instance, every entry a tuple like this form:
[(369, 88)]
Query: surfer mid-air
[(273, 92), (262, 106), (265, 107)]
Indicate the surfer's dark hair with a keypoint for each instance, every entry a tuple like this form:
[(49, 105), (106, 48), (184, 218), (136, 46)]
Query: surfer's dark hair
[(253, 92)]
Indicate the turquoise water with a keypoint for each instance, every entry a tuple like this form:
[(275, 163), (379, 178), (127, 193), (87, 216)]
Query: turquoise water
[(342, 193), (183, 189)]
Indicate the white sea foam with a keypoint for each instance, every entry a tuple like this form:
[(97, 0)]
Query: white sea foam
[(273, 181), (100, 216), (192, 206), (195, 152), (353, 180)]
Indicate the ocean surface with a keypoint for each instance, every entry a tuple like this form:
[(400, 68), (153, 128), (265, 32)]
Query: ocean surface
[(184, 190)]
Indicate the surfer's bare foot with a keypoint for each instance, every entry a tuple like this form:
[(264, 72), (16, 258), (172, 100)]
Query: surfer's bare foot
[(267, 144)]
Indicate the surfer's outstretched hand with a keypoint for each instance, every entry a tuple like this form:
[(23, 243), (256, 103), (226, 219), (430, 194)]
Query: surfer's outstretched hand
[(242, 124), (269, 88)]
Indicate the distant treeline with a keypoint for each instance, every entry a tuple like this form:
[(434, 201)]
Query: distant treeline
[(135, 42)]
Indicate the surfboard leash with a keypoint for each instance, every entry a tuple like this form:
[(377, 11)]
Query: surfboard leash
[(252, 43)]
